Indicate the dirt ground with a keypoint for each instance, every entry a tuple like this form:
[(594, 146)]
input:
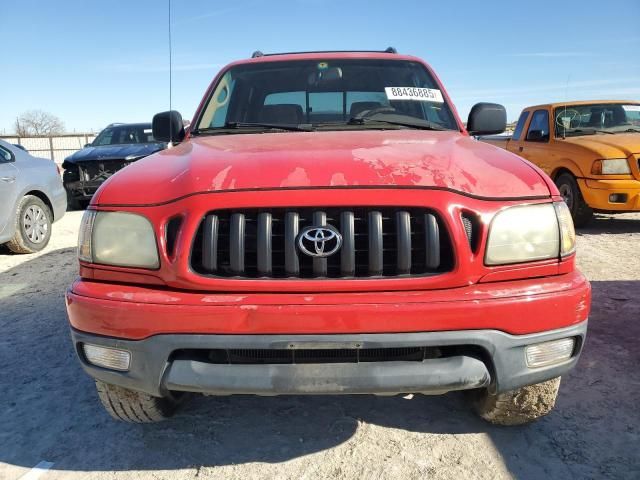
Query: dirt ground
[(49, 410)]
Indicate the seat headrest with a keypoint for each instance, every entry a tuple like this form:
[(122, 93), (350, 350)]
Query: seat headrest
[(358, 107), (282, 113)]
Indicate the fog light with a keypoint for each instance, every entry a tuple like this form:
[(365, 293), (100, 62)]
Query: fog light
[(618, 198), (549, 353), (106, 357)]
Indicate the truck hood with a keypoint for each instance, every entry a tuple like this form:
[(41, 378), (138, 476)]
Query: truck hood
[(371, 158), (620, 145), (114, 152)]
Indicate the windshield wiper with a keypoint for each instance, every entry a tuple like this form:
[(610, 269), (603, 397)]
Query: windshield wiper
[(272, 126), (588, 130), (397, 120), (255, 126)]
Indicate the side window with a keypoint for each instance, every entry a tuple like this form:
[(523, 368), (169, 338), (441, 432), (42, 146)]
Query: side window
[(104, 138), (365, 101), (539, 127), (325, 102), (5, 155), (219, 104), (517, 133), (289, 98)]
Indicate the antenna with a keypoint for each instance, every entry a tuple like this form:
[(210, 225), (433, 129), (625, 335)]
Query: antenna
[(566, 99), (170, 82)]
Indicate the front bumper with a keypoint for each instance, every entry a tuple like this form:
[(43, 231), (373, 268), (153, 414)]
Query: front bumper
[(597, 194), (487, 358), (82, 190), (483, 327)]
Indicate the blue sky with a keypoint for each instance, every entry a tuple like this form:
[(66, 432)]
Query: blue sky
[(92, 63)]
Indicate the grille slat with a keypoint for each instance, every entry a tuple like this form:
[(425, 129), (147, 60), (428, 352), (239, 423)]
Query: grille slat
[(432, 246), (348, 251), (264, 244), (403, 230), (236, 243), (376, 242), (291, 226), (210, 243), (320, 264)]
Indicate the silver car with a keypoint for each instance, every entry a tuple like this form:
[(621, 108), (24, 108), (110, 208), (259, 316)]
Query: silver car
[(31, 199)]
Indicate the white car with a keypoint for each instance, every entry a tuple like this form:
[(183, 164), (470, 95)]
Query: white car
[(31, 199)]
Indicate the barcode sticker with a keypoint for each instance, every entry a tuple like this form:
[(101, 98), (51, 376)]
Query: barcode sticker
[(414, 93), (631, 108)]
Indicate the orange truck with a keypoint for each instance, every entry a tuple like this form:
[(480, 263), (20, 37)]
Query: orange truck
[(590, 149)]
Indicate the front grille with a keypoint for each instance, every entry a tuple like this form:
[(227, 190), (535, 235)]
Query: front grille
[(376, 242), (255, 356), (99, 170)]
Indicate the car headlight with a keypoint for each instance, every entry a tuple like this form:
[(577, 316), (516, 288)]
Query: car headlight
[(117, 238), (531, 232), (611, 166)]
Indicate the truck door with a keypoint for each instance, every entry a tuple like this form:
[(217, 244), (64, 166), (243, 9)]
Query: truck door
[(514, 145), (8, 180), (535, 146)]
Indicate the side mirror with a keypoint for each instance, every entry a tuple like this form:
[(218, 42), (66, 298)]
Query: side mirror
[(487, 119), (537, 136), (168, 127)]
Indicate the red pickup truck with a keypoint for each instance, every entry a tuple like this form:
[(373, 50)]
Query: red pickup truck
[(327, 225)]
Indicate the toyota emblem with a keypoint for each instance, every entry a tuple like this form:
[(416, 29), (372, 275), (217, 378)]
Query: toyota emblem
[(319, 242)]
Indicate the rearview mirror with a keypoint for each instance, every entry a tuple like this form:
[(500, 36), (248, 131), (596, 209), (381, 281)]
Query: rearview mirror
[(324, 77), (487, 119), (168, 127)]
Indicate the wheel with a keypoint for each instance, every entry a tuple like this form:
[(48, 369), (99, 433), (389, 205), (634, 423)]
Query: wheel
[(517, 407), (580, 211), (32, 226), (135, 407)]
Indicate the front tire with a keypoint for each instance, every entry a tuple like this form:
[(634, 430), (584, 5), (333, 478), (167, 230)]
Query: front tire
[(517, 407), (134, 407), (32, 226), (570, 191)]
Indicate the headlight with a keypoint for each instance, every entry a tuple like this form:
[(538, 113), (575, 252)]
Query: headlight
[(611, 166), (117, 238), (529, 233)]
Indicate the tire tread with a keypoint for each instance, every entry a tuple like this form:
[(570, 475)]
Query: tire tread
[(520, 406), (134, 407)]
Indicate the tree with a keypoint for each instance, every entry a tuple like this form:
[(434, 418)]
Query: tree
[(37, 122)]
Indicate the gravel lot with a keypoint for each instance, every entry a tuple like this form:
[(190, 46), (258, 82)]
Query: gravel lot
[(49, 410)]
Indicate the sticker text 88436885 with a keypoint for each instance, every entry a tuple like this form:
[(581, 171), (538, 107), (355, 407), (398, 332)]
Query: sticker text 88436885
[(414, 93)]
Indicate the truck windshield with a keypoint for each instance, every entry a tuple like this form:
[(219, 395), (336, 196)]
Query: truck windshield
[(305, 95), (125, 134), (595, 118)]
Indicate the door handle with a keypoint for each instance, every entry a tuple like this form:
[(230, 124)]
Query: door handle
[(8, 179)]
